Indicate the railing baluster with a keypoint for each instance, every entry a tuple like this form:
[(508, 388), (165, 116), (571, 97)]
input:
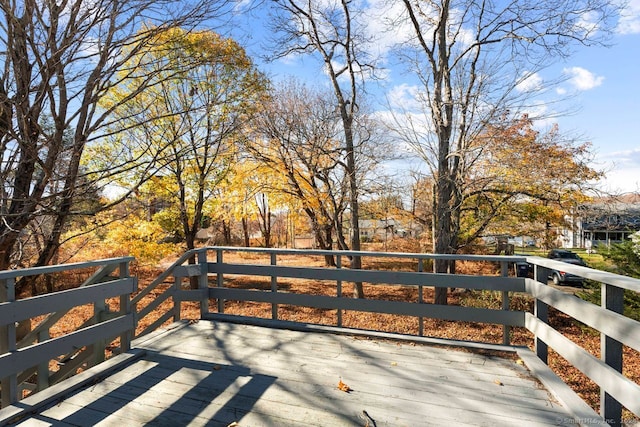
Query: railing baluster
[(612, 298), (220, 280), (177, 288), (506, 329), (274, 289), (9, 392), (203, 283), (541, 311), (125, 309), (43, 368), (339, 289), (420, 298), (99, 315)]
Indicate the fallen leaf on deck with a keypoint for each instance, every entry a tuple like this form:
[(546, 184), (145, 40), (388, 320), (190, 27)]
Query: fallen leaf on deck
[(520, 362), (498, 382), (217, 368), (343, 387), (394, 363)]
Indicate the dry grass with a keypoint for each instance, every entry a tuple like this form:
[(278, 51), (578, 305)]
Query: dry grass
[(587, 338)]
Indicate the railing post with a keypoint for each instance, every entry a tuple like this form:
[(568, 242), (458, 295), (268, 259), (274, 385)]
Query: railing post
[(506, 329), (9, 384), (612, 298), (219, 280), (541, 311), (339, 289), (125, 309), (177, 302), (420, 298), (43, 368), (100, 312), (203, 283), (274, 289)]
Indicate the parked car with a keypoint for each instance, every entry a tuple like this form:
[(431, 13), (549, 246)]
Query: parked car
[(560, 277)]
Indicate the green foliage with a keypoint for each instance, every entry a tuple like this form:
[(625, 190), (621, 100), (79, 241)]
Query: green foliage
[(625, 259)]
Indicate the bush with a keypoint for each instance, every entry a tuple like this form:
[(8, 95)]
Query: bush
[(625, 259)]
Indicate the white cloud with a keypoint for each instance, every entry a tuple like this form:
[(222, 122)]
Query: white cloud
[(404, 97), (529, 82), (385, 27), (589, 23), (622, 171), (630, 18), (625, 158), (389, 26), (583, 79)]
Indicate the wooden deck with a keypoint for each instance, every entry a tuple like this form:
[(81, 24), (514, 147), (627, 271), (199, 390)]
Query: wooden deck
[(217, 373)]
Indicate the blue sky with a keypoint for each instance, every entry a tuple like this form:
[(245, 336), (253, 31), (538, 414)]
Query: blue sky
[(604, 83), (608, 103)]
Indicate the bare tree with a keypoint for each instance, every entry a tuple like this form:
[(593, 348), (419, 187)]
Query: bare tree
[(59, 60), (473, 60), (297, 137), (332, 31)]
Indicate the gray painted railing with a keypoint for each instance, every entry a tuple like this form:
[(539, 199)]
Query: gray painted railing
[(21, 357), (616, 330), (209, 268)]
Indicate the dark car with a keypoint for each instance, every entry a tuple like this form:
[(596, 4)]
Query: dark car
[(558, 276)]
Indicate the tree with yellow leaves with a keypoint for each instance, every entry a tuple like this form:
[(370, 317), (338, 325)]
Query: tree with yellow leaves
[(297, 137), (186, 126), (525, 182), (251, 198), (59, 59)]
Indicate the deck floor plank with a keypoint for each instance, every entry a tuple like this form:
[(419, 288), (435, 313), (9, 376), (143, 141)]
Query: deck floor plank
[(215, 373)]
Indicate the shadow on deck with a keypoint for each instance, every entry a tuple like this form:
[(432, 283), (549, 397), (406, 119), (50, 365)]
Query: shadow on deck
[(219, 373)]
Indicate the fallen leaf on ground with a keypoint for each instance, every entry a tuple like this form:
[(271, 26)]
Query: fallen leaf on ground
[(343, 387)]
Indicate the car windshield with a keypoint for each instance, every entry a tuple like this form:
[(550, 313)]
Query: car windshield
[(568, 255)]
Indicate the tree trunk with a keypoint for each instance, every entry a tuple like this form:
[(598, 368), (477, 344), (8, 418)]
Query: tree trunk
[(245, 231), (356, 261)]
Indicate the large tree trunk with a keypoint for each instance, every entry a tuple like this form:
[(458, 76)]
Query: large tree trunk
[(245, 231), (356, 261), (442, 238)]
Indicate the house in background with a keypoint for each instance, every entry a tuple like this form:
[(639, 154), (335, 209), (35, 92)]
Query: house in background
[(604, 222), (381, 230)]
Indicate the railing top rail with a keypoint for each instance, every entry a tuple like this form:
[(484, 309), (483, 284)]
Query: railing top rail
[(624, 282), (34, 271), (320, 252)]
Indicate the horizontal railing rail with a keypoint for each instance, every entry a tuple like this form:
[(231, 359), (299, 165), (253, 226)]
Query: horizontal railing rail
[(616, 330), (23, 356)]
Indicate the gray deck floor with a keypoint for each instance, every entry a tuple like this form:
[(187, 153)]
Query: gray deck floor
[(216, 373)]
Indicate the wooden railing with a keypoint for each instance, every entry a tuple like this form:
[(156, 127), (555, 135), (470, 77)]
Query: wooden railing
[(212, 270), (23, 356)]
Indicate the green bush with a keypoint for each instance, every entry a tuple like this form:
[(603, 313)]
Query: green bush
[(624, 258)]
